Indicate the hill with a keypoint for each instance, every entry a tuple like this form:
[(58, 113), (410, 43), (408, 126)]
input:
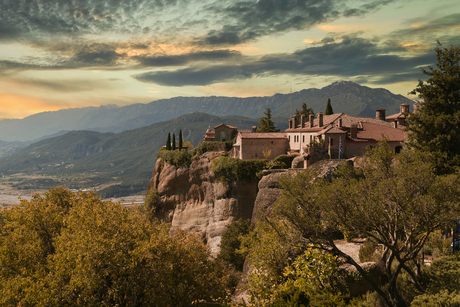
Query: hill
[(347, 97), (80, 159)]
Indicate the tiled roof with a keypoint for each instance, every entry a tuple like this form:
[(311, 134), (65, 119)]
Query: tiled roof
[(263, 135), (372, 131), (228, 126)]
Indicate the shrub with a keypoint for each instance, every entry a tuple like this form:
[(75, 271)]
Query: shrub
[(443, 298), (178, 158), (231, 241), (367, 251), (226, 168)]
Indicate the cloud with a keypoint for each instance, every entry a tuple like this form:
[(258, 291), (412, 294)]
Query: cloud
[(183, 59), (346, 56), (63, 86), (194, 76)]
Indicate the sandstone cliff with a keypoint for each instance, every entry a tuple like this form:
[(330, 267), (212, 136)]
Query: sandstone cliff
[(195, 200)]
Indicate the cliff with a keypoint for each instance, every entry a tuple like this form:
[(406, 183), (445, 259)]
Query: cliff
[(195, 200)]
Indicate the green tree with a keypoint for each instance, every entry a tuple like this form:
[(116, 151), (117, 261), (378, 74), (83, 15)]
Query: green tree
[(65, 249), (266, 124), (168, 141), (305, 111), (328, 108), (173, 145), (396, 201), (436, 127), (231, 243), (180, 139)]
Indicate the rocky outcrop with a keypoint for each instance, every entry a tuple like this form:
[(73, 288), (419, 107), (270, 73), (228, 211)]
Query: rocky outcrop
[(195, 200)]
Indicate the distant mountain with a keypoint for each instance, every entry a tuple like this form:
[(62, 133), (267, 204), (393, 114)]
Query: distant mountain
[(347, 97), (125, 157)]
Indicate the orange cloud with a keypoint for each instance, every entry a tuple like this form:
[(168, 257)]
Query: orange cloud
[(14, 106)]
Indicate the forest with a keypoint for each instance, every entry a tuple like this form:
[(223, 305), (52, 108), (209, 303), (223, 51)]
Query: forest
[(73, 249)]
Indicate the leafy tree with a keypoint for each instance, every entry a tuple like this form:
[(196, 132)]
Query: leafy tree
[(180, 139), (173, 145), (396, 201), (328, 108), (231, 242), (266, 124), (305, 111), (436, 127), (168, 141), (65, 249)]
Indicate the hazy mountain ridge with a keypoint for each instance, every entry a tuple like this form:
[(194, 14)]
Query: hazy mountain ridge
[(347, 97), (112, 157)]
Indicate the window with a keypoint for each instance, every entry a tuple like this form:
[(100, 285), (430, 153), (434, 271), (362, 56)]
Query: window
[(303, 138), (332, 141)]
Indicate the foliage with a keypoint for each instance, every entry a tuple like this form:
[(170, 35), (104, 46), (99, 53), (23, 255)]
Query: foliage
[(64, 249), (396, 201), (285, 272), (266, 124), (152, 202), (367, 251), (436, 127), (178, 158), (328, 110), (227, 168), (168, 141), (443, 298), (180, 139), (281, 162), (305, 111), (173, 145), (231, 242)]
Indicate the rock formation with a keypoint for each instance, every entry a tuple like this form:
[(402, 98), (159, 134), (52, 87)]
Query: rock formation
[(195, 200)]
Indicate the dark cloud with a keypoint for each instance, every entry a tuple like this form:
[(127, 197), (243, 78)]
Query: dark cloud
[(431, 28), (177, 60), (248, 20), (21, 17), (194, 76), (350, 56)]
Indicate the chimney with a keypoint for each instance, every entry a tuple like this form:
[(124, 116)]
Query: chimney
[(354, 131), (290, 124), (339, 125), (294, 121), (311, 118), (254, 129), (404, 108), (320, 119), (302, 121), (380, 114)]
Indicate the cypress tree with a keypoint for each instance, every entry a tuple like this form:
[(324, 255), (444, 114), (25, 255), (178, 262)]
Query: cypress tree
[(173, 145), (266, 124), (168, 141), (328, 108), (180, 139)]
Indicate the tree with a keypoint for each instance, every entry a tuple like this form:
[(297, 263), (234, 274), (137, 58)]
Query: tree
[(180, 139), (436, 127), (305, 111), (266, 124), (328, 108), (396, 201), (65, 249), (168, 141), (173, 145)]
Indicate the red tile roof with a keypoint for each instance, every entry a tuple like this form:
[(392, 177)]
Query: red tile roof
[(263, 135)]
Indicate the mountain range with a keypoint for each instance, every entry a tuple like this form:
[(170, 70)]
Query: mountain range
[(346, 97)]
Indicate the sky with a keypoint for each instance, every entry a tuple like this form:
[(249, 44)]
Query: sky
[(59, 54)]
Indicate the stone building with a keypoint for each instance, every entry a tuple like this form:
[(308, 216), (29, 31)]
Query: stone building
[(353, 133), (222, 132), (260, 145)]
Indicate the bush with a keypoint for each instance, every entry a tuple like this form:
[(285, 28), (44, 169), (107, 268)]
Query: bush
[(367, 251), (178, 158), (226, 168), (443, 298), (231, 241)]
